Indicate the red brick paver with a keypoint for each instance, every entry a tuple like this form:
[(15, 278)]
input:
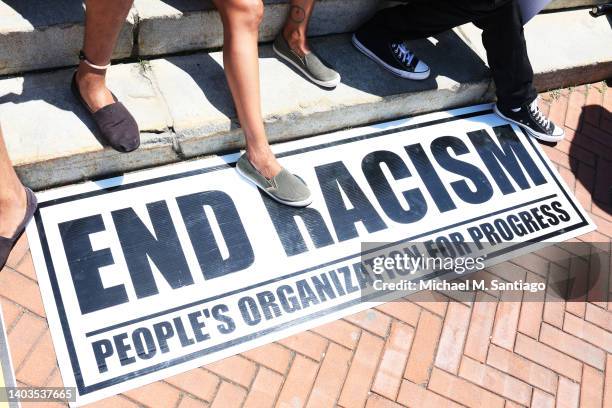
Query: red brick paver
[(434, 353)]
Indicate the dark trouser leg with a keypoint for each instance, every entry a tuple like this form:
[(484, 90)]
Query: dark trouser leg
[(504, 40), (419, 19), (502, 37)]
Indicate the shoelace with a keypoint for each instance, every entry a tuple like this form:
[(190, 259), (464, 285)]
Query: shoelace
[(537, 114), (403, 53)]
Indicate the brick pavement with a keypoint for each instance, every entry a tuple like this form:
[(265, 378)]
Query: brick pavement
[(438, 353)]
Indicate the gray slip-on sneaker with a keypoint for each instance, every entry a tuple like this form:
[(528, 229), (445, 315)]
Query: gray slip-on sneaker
[(285, 187), (310, 65)]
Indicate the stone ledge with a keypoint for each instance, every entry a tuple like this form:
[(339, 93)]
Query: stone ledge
[(35, 36), (184, 108), (171, 26), (568, 4)]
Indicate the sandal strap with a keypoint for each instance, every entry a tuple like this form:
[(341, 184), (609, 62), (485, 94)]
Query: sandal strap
[(84, 59)]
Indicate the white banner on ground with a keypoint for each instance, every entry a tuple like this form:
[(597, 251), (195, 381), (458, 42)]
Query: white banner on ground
[(529, 8), (162, 271)]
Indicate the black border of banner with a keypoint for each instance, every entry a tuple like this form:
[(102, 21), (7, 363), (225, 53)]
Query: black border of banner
[(87, 389)]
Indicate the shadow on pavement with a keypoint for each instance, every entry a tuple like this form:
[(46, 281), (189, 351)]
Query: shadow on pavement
[(595, 135), (447, 55), (45, 13)]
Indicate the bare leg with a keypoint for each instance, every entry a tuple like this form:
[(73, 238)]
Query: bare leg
[(296, 25), (103, 22), (13, 199), (241, 19)]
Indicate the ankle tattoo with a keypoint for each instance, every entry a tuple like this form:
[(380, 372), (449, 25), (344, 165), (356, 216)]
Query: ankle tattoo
[(297, 14)]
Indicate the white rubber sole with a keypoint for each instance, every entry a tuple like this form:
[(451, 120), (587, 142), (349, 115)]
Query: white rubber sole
[(531, 132), (416, 76), (303, 203), (326, 84)]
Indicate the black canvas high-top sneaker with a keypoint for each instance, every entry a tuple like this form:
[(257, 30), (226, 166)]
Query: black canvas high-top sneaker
[(394, 56), (531, 118)]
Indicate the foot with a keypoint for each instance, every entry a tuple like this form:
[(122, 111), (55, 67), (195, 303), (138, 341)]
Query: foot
[(307, 62), (284, 187), (117, 127), (264, 162), (394, 56), (297, 41), (530, 117), (92, 87), (12, 211)]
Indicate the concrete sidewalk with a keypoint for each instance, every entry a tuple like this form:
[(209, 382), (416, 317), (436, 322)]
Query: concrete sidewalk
[(438, 353), (184, 108)]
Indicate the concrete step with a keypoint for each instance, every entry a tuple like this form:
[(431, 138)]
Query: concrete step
[(184, 108), (167, 27), (35, 35), (569, 4)]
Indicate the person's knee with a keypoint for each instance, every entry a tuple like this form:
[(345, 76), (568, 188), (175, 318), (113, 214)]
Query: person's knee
[(252, 12)]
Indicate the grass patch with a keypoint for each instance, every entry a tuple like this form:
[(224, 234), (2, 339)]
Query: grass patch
[(145, 66)]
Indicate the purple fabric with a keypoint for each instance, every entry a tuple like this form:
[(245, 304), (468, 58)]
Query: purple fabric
[(529, 8)]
